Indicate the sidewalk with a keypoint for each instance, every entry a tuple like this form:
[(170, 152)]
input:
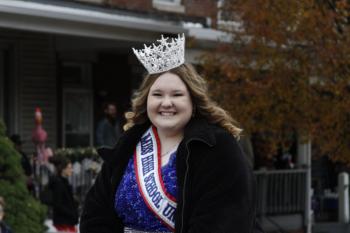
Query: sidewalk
[(331, 227)]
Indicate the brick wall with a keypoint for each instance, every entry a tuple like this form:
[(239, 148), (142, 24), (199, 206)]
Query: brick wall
[(201, 8), (138, 5), (193, 8)]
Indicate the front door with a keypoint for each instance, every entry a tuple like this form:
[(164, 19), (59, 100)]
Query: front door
[(77, 101)]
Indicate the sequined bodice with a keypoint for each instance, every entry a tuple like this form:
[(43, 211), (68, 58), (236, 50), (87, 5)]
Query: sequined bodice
[(130, 205)]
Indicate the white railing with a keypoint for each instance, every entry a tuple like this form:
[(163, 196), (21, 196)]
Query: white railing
[(83, 177), (281, 192)]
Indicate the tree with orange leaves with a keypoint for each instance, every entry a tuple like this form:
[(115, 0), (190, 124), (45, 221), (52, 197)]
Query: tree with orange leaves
[(286, 68)]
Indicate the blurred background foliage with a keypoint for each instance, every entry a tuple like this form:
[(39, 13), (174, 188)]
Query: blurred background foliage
[(24, 214)]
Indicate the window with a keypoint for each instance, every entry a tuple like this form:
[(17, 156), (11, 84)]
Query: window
[(77, 101), (77, 118), (169, 5), (226, 18), (76, 74)]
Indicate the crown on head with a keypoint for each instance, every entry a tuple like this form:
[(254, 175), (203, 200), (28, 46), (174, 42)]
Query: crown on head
[(162, 57)]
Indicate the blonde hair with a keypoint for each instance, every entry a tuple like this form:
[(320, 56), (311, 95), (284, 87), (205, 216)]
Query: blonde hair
[(203, 105)]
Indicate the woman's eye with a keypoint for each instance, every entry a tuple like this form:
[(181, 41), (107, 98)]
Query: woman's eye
[(156, 94), (178, 94)]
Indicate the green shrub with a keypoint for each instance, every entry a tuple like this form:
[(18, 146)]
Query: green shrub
[(24, 214), (78, 154)]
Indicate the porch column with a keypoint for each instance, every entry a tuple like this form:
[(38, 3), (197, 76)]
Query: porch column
[(304, 161), (343, 197)]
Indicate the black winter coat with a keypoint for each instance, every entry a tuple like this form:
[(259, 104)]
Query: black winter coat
[(64, 207), (215, 183)]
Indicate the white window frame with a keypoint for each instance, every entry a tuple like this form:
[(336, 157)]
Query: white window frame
[(85, 89), (174, 6), (89, 113)]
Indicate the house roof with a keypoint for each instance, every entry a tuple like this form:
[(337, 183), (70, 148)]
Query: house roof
[(72, 19), (91, 21)]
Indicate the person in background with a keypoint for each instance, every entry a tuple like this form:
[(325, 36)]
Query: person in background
[(25, 161), (64, 206), (108, 129), (284, 159), (3, 227)]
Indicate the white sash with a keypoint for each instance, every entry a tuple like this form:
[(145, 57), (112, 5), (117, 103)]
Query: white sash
[(147, 159)]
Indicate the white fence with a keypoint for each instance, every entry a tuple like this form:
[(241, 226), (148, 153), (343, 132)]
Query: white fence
[(281, 192), (83, 177)]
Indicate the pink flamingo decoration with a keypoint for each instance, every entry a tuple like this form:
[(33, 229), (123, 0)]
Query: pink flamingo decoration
[(39, 137)]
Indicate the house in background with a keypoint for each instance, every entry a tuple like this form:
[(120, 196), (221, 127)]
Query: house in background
[(68, 57)]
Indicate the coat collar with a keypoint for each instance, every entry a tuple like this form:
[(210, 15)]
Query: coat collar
[(199, 129)]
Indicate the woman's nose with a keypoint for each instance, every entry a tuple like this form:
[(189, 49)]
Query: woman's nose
[(167, 102)]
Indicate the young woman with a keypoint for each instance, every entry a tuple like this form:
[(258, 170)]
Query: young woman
[(64, 207), (178, 167)]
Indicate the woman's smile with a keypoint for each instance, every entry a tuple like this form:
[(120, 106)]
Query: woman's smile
[(165, 113)]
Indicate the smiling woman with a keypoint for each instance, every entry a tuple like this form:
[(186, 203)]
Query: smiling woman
[(169, 107), (178, 167)]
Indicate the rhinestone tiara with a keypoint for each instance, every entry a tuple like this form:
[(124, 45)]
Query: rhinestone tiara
[(162, 57)]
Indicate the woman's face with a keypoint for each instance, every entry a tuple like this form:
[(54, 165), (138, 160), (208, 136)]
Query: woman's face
[(67, 171), (169, 104)]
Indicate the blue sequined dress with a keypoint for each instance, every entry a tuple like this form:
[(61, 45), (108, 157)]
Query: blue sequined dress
[(130, 205)]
